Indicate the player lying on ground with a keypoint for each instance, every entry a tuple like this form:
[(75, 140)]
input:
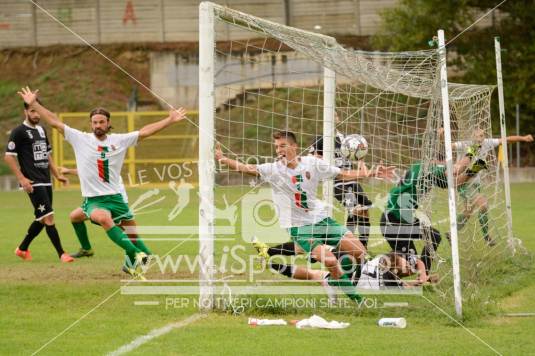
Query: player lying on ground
[(294, 181), (470, 191), (28, 145), (99, 159), (388, 270), (400, 265), (399, 225), (129, 226), (349, 193)]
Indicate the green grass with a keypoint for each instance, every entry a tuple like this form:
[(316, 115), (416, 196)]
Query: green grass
[(41, 298)]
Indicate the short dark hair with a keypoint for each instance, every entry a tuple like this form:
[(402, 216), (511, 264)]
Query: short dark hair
[(288, 135), (99, 111), (26, 106)]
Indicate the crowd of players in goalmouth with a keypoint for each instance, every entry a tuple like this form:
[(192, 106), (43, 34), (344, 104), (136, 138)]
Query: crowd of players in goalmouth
[(294, 180)]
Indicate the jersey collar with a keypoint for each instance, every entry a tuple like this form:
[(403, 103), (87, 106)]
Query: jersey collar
[(26, 123)]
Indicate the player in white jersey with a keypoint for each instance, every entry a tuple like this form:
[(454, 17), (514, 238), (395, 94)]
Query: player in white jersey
[(99, 159), (471, 190), (85, 246), (294, 180)]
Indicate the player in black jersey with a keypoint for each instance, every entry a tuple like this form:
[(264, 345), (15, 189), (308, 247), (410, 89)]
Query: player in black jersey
[(28, 145)]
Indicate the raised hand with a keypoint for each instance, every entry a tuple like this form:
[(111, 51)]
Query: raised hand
[(27, 95), (177, 115), (528, 138)]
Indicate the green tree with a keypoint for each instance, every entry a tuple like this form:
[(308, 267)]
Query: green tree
[(411, 24)]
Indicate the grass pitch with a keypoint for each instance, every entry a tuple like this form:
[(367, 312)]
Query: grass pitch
[(78, 308)]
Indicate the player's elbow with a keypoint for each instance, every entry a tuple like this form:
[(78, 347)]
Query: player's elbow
[(143, 133)]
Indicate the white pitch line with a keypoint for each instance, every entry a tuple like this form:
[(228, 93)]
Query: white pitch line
[(154, 334)]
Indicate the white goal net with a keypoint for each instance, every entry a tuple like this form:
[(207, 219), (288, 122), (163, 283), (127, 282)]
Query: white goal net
[(258, 77)]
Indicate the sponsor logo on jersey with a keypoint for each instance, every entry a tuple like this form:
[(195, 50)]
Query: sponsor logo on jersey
[(11, 145), (39, 151)]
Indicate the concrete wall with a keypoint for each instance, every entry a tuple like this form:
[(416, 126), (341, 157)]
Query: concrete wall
[(175, 77), (23, 24), (522, 174)]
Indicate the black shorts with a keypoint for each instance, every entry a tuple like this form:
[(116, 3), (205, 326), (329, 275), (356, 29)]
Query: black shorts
[(287, 249), (343, 193), (42, 201), (400, 236)]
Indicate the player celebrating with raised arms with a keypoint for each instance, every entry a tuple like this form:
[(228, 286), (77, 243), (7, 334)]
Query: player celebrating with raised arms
[(99, 159), (294, 181)]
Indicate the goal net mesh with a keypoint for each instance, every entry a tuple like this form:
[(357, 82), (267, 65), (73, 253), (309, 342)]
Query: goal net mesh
[(270, 77)]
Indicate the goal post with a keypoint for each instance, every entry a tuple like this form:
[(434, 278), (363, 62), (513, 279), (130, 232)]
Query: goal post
[(452, 206), (257, 77), (503, 134), (329, 124), (206, 154)]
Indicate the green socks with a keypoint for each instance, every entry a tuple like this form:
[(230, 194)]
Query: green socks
[(120, 238), (81, 232), (345, 284), (140, 245), (130, 258), (484, 222), (461, 221)]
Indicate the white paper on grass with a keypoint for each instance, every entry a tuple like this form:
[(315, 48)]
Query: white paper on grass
[(320, 323)]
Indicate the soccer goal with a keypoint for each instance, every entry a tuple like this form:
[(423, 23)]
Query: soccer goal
[(257, 77)]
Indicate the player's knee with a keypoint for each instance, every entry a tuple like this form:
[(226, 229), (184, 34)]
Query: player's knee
[(76, 216), (363, 213), (101, 218), (330, 262), (48, 220)]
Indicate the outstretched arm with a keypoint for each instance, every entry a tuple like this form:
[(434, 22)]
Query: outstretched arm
[(526, 138), (235, 165), (30, 98), (380, 172), (151, 129), (71, 171)]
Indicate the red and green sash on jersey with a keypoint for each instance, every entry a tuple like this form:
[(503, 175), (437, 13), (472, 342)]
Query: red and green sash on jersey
[(300, 196), (103, 164)]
